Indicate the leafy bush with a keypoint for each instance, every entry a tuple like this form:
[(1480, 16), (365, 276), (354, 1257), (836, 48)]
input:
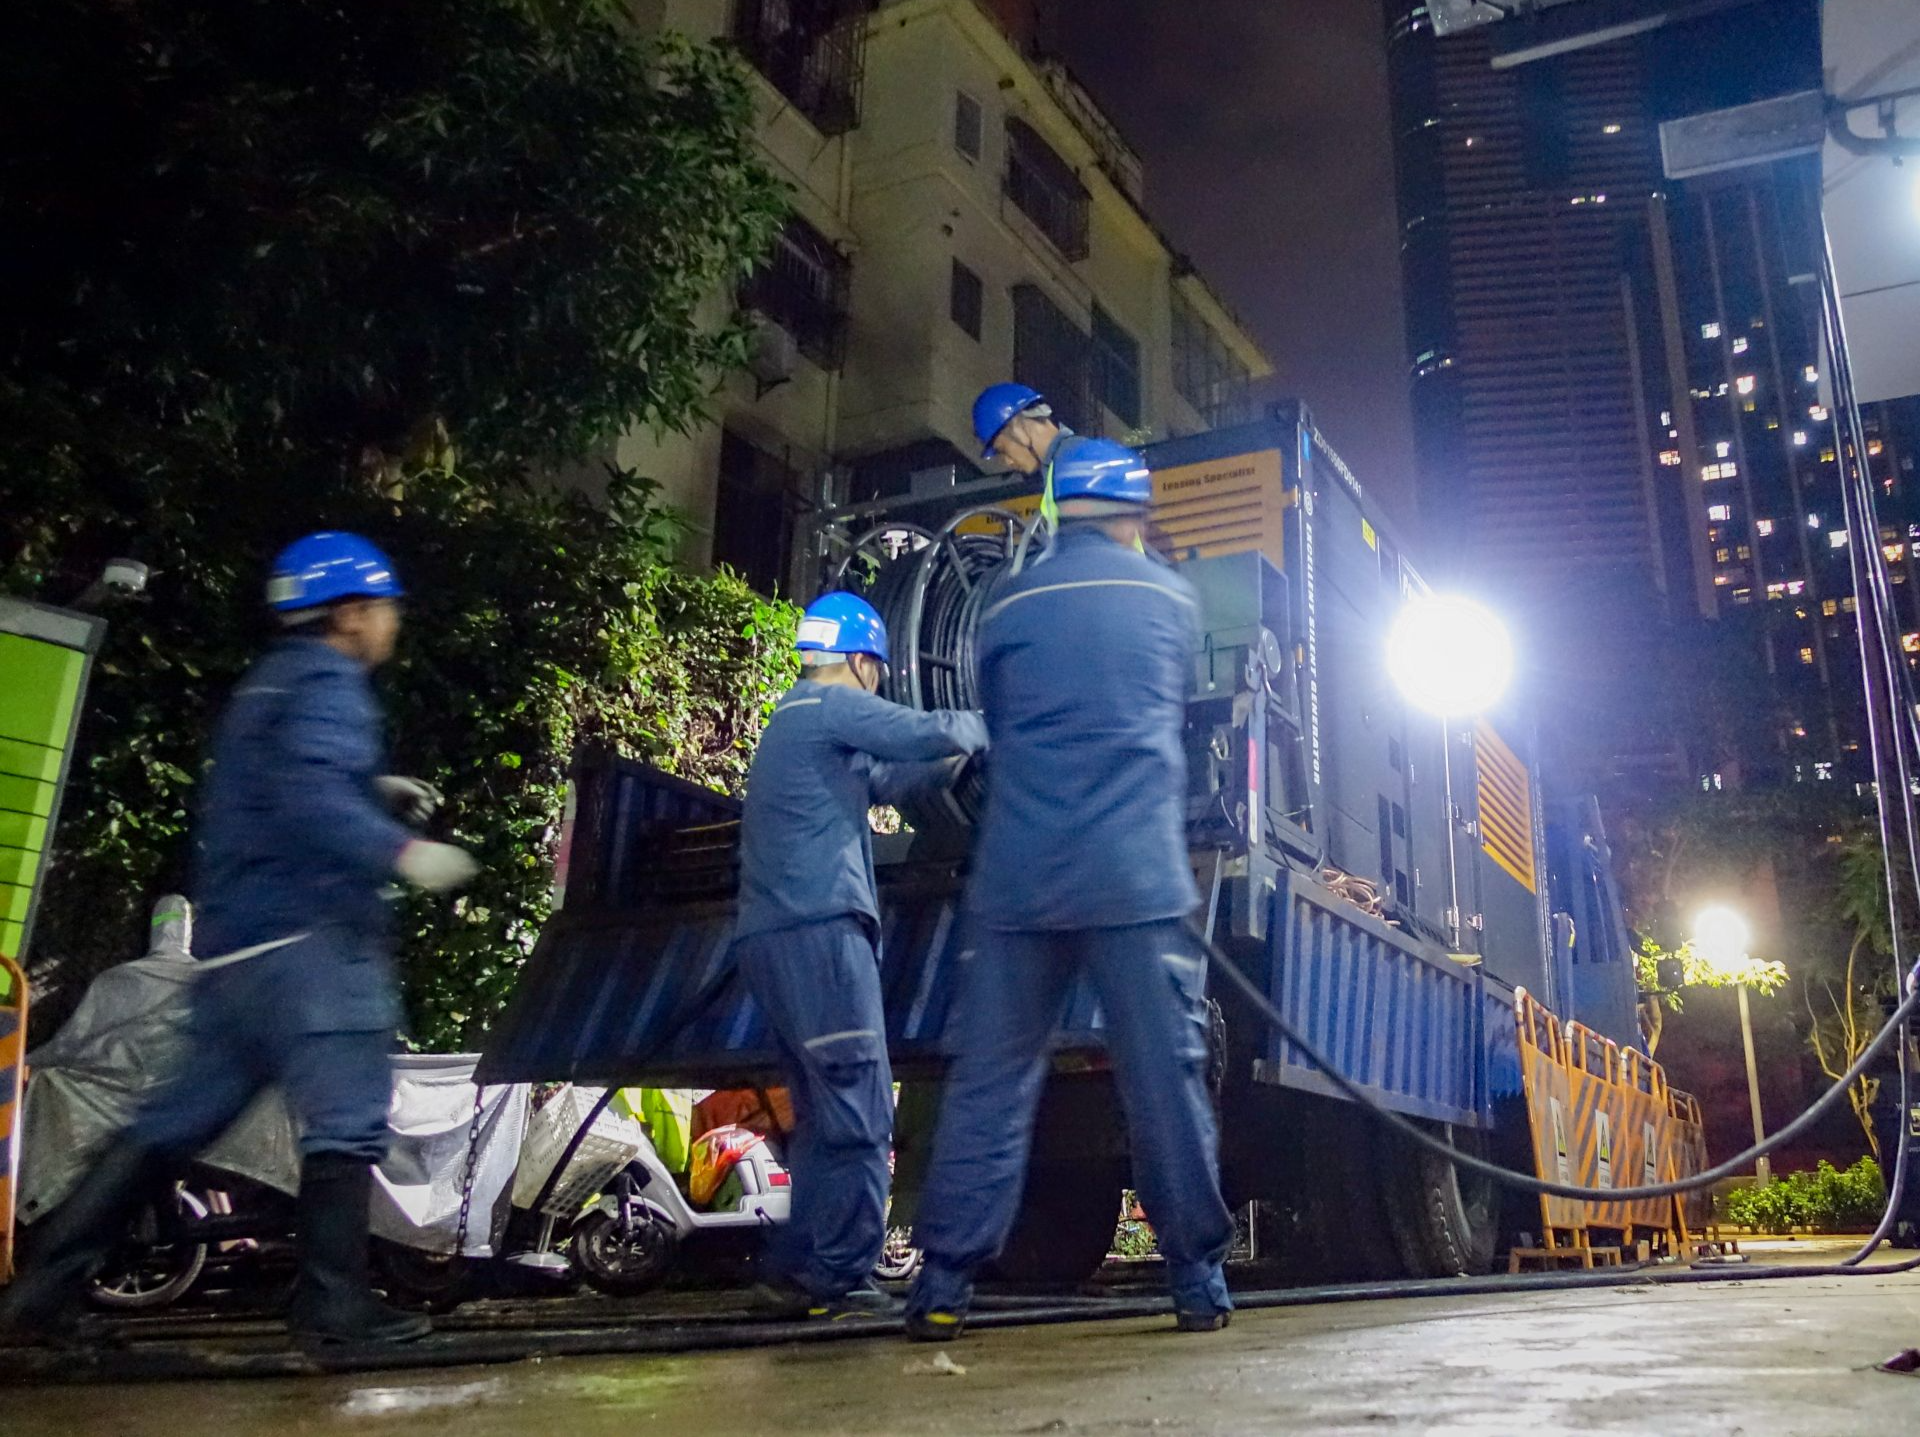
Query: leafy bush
[(382, 267), (538, 623), (1824, 1200)]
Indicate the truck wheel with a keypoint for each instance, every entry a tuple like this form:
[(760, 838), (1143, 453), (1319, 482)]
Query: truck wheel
[(1064, 1232), (1345, 1199), (1446, 1223)]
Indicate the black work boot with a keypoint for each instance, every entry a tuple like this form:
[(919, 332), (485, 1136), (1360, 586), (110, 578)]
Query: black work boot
[(333, 1298), (44, 1303)]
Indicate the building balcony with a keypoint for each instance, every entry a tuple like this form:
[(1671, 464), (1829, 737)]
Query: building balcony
[(811, 51)]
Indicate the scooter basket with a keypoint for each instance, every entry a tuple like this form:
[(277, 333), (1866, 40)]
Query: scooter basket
[(609, 1145)]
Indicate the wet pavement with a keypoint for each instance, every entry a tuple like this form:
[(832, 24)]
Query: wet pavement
[(1732, 1357)]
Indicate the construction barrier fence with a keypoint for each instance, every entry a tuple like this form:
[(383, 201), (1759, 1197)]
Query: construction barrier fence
[(1602, 1116)]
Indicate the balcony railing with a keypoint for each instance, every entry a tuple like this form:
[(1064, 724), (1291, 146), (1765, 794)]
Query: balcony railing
[(811, 51), (803, 288), (1044, 188)]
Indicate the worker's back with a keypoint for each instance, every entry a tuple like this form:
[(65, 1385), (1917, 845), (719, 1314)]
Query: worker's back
[(1085, 662)]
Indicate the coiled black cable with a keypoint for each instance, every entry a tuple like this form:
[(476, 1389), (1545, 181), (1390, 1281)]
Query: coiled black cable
[(932, 599)]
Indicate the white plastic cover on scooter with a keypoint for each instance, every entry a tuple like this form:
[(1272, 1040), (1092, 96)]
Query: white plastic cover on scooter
[(125, 1036)]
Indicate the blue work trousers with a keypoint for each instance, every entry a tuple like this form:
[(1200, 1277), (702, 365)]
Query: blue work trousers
[(819, 986), (246, 1031), (1150, 980)]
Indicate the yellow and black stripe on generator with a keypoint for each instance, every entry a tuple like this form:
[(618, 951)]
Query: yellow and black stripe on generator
[(46, 655)]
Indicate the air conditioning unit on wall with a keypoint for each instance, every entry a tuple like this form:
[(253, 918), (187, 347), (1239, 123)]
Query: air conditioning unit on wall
[(773, 357)]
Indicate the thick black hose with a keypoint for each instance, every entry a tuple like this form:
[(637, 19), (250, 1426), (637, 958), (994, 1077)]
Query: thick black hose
[(1874, 598), (1524, 1183), (29, 1367)]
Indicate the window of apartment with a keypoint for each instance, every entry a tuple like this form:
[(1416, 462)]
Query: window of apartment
[(1116, 368), (1050, 352), (811, 51), (802, 287), (1044, 188), (969, 126), (966, 299), (1205, 371), (758, 501)]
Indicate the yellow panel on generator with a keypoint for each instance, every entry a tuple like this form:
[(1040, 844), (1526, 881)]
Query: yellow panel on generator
[(1219, 506), (1223, 506), (1506, 807)]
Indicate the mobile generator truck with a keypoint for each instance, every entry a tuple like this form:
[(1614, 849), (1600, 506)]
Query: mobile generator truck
[(1396, 885)]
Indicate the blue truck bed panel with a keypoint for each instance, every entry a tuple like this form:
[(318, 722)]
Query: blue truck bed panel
[(1419, 1031), (648, 997)]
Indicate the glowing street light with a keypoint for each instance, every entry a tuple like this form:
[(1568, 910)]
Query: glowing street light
[(1721, 937), (1451, 658)]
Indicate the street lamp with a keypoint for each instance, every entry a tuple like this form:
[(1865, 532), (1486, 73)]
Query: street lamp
[(1451, 658), (1720, 938)]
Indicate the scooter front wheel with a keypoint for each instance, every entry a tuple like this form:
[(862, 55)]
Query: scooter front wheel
[(622, 1259), (158, 1262)]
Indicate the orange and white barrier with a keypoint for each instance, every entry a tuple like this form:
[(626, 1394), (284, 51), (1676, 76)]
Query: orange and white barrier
[(1603, 1116)]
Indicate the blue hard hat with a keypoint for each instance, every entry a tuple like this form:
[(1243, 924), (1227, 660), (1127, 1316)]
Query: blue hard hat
[(842, 624), (997, 407), (1101, 469), (329, 566)]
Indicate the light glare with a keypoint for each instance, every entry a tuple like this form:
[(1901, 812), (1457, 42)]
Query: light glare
[(1449, 656), (1721, 936)]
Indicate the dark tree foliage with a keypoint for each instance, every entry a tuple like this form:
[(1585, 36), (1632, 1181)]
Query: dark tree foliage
[(276, 265)]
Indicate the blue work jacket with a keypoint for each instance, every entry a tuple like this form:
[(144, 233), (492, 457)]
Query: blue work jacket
[(829, 753), (1086, 658), (291, 836)]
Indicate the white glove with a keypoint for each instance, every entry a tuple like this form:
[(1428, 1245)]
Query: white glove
[(408, 798), (435, 867)]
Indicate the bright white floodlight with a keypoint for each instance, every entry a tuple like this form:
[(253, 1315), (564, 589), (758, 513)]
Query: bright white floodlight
[(1721, 937), (1450, 656)]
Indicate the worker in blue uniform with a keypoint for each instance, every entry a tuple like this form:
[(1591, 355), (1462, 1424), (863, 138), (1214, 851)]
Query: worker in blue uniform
[(1015, 424), (1081, 868), (297, 841), (807, 940)]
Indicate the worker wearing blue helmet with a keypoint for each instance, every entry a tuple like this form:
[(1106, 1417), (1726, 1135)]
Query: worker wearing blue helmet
[(1015, 424), (298, 836), (808, 931), (1080, 869)]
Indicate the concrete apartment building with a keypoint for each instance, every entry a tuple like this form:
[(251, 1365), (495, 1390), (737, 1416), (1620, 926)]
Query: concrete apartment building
[(964, 213)]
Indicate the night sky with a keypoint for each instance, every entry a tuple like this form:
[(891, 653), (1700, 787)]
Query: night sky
[(1268, 146)]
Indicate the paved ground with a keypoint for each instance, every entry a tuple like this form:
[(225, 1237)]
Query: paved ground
[(1733, 1357)]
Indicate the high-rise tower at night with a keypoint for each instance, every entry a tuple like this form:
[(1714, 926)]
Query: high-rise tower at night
[(1616, 389), (1515, 188)]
